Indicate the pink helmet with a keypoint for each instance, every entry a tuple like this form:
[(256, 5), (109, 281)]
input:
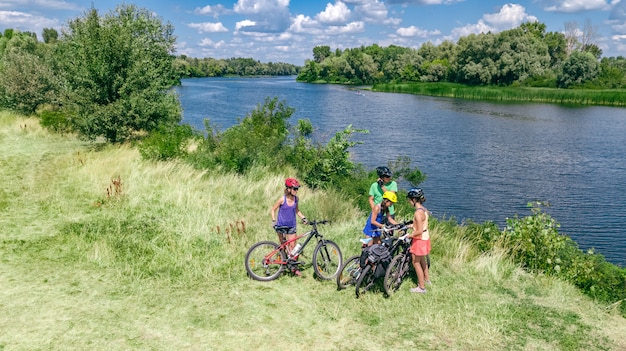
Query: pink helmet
[(292, 183)]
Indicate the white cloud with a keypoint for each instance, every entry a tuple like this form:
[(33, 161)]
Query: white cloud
[(509, 16), (353, 27), (26, 21), (244, 24), (414, 31), (334, 14), (214, 11), (570, 6), (304, 24), (283, 48), (208, 27), (480, 27), (266, 16), (422, 2), (206, 42), (372, 11), (42, 4), (260, 6)]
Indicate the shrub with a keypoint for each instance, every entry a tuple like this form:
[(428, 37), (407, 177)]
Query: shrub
[(166, 143), (55, 120), (535, 244)]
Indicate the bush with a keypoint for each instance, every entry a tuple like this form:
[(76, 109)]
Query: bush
[(535, 244), (55, 120), (166, 143), (258, 139)]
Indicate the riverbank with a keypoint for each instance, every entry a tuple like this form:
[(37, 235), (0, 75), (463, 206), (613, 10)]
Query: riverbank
[(588, 97), (102, 250)]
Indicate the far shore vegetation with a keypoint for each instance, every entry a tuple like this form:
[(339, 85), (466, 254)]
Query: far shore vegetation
[(125, 229), (606, 97), (523, 64)]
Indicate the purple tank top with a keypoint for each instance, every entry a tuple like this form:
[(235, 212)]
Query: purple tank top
[(287, 214)]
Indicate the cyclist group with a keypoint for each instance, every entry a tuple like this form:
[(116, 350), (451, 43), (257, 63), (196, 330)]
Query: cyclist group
[(382, 197)]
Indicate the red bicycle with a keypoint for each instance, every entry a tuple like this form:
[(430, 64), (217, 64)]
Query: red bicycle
[(266, 260)]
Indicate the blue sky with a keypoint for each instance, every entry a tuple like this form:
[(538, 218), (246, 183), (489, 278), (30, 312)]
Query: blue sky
[(287, 30)]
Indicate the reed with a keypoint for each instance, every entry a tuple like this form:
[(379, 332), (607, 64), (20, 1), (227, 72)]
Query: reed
[(614, 97)]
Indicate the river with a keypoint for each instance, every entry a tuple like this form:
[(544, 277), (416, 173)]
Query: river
[(483, 160)]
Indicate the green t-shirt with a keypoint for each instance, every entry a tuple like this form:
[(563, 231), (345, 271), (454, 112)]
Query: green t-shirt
[(377, 193)]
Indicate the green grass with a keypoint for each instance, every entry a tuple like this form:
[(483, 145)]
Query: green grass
[(611, 97), (155, 261)]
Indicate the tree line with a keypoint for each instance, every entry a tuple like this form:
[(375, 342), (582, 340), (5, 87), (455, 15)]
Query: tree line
[(190, 67), (524, 56)]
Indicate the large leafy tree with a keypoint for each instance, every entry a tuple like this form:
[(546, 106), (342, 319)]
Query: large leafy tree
[(579, 68), (521, 54), (320, 53), (475, 62), (117, 70), (26, 79)]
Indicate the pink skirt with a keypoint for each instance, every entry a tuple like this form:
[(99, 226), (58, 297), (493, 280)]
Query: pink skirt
[(420, 247)]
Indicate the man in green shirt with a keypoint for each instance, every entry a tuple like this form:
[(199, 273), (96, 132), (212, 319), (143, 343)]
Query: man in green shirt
[(382, 184)]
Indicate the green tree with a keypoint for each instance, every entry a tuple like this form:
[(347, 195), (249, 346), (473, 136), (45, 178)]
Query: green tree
[(117, 71), (8, 33), (310, 72), (320, 53), (520, 54), (475, 63), (557, 48), (50, 35), (26, 77), (411, 62), (612, 73), (579, 68), (336, 69), (428, 51)]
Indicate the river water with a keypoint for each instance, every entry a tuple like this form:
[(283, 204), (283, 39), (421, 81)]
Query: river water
[(483, 160)]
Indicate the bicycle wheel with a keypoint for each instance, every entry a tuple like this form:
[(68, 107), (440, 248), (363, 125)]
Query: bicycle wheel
[(326, 259), (397, 270), (365, 282), (262, 267), (349, 272)]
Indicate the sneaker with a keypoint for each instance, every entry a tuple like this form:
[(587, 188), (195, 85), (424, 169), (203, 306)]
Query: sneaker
[(365, 241), (428, 282), (418, 290), (297, 272)]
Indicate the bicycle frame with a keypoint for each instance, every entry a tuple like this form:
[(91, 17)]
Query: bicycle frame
[(283, 246)]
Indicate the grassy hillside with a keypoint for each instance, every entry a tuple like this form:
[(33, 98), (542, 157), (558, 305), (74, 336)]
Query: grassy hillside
[(100, 250)]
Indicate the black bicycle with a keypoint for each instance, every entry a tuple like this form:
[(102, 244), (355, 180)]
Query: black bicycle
[(374, 265), (400, 266), (266, 260)]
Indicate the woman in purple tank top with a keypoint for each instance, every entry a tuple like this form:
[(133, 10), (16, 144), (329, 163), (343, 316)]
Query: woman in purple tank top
[(287, 206)]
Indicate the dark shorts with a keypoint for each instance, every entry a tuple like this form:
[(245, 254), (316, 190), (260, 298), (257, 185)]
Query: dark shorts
[(286, 230)]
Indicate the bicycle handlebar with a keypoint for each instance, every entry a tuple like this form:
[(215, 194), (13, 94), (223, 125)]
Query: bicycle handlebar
[(400, 226), (318, 221), (311, 223)]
